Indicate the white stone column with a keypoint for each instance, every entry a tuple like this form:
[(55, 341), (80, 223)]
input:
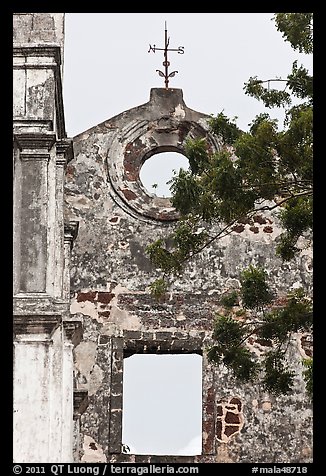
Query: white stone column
[(33, 394), (67, 404), (44, 333), (64, 153), (72, 336)]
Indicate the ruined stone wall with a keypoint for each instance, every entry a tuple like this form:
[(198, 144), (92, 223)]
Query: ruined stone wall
[(110, 275)]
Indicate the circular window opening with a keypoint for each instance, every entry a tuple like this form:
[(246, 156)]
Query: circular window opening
[(159, 169)]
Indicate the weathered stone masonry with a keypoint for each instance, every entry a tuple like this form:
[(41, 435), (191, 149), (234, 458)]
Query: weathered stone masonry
[(44, 332), (110, 274), (79, 311)]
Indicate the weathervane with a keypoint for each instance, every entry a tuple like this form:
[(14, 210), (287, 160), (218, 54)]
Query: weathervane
[(166, 75)]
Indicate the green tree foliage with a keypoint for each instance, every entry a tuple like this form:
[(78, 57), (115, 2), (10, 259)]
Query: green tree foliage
[(267, 323), (297, 29), (308, 375), (255, 171)]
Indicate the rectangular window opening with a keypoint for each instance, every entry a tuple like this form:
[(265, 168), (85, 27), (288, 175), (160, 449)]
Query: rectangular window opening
[(162, 404)]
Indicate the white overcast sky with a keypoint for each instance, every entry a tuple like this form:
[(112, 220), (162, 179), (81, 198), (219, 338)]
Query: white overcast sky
[(107, 70), (107, 67), (162, 404)]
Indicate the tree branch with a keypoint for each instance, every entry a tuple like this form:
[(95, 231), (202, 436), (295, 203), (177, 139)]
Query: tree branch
[(227, 230), (278, 204), (282, 80)]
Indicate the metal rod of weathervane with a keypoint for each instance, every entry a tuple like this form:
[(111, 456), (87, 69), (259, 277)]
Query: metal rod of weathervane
[(166, 75)]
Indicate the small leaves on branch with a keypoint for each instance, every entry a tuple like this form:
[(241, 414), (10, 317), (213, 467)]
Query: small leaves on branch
[(255, 291), (226, 128), (278, 378), (296, 219), (297, 28), (268, 323), (221, 188), (270, 97), (158, 288), (308, 375), (230, 300), (261, 170)]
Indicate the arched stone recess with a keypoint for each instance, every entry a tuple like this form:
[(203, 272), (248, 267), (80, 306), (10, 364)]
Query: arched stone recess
[(138, 140), (132, 149)]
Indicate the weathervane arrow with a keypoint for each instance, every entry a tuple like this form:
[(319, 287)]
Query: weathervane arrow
[(166, 75)]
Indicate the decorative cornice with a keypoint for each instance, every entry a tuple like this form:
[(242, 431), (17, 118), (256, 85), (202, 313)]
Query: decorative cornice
[(46, 51), (80, 402), (39, 304), (27, 124), (35, 140), (65, 151), (33, 156), (73, 330), (38, 50), (71, 231), (59, 106), (36, 324)]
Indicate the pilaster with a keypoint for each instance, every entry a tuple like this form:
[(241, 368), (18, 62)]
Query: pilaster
[(44, 334)]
